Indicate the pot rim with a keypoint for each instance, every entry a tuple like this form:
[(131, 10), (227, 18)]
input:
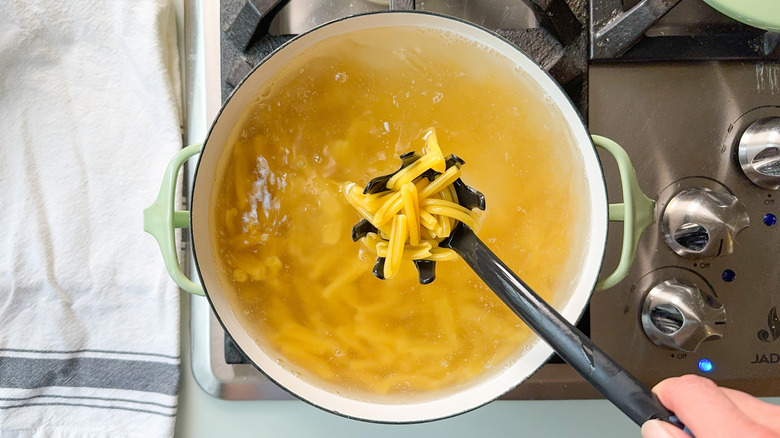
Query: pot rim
[(574, 306)]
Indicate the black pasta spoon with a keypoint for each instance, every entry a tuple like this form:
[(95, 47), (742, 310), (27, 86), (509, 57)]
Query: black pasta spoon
[(613, 381)]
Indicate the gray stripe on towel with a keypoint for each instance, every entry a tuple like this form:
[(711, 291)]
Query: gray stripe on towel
[(136, 375), (79, 397), (82, 405)]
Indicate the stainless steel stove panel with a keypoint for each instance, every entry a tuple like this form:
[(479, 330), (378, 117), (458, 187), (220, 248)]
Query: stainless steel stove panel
[(680, 123)]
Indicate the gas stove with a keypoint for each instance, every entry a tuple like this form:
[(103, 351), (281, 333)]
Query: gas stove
[(692, 96)]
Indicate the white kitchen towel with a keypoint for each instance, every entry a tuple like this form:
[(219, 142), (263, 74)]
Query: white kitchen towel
[(89, 116)]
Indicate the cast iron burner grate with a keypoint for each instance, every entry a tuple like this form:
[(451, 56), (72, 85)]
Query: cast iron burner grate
[(620, 31)]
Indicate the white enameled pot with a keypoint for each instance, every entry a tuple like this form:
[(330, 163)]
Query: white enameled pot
[(160, 219)]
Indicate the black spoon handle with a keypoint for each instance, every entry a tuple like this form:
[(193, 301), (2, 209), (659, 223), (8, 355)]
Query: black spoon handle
[(600, 370)]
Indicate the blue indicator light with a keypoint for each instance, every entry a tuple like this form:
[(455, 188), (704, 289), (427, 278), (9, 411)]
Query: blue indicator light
[(705, 365), (728, 275), (770, 219)]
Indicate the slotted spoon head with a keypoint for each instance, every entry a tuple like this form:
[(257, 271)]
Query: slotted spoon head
[(467, 197)]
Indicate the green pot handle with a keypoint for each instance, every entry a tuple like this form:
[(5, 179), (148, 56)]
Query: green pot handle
[(637, 210), (160, 220)]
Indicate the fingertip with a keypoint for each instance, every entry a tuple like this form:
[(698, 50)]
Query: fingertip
[(661, 429), (659, 387), (686, 382), (664, 386)]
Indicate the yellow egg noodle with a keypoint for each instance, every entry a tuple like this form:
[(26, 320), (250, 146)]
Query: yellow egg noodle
[(420, 212)]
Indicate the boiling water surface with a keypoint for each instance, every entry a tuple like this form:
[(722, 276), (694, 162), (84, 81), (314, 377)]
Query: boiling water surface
[(343, 111)]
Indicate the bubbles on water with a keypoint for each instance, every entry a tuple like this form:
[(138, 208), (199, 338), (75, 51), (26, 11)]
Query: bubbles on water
[(341, 77), (437, 97), (338, 352), (317, 158), (521, 71), (280, 362)]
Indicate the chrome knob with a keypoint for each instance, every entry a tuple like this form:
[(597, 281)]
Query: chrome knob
[(759, 152), (700, 222), (678, 315)]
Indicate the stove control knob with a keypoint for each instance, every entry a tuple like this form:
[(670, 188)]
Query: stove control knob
[(677, 315), (700, 222), (759, 153)]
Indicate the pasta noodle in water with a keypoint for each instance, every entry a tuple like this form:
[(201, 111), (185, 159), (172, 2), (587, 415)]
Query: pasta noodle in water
[(282, 213), (423, 210)]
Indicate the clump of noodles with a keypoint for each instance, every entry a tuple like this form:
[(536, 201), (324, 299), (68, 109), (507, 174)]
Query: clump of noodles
[(415, 213)]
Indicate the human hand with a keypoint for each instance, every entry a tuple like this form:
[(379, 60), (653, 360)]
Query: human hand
[(710, 411)]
